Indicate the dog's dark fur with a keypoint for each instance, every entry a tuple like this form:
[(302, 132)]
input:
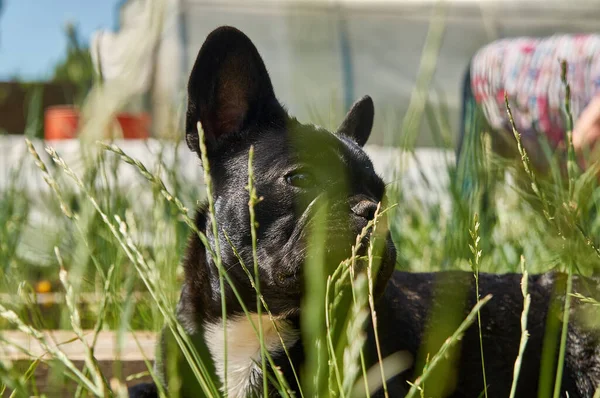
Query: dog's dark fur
[(298, 166)]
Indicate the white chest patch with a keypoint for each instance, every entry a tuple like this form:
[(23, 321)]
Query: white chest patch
[(243, 348)]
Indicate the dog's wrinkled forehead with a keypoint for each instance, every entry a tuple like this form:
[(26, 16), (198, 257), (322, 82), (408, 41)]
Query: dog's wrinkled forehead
[(333, 156), (322, 147)]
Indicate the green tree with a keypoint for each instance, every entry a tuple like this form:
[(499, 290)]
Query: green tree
[(76, 67)]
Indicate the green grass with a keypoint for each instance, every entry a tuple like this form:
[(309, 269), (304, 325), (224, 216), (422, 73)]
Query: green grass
[(100, 237)]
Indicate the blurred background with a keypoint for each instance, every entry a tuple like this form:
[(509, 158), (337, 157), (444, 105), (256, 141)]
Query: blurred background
[(322, 55)]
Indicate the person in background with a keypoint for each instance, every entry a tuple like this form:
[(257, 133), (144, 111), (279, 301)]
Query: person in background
[(586, 132), (528, 71)]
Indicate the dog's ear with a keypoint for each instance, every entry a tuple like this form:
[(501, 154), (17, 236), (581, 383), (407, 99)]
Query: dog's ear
[(359, 121), (229, 88)]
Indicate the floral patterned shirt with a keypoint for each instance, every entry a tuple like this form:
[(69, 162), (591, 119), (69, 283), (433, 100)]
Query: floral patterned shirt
[(528, 70)]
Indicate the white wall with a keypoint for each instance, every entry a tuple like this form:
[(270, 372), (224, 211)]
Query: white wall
[(300, 42)]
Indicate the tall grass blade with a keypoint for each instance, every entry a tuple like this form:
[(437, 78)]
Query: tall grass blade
[(524, 332)]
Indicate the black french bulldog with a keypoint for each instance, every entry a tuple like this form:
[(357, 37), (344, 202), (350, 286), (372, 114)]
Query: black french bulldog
[(296, 166)]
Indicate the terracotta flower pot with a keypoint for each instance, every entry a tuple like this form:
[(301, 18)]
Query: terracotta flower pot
[(134, 126), (62, 122)]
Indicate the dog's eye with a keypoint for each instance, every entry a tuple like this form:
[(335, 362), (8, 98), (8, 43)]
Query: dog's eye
[(300, 179)]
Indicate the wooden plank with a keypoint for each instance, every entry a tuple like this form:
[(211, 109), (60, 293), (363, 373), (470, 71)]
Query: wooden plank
[(110, 345), (59, 297), (51, 381), (118, 355)]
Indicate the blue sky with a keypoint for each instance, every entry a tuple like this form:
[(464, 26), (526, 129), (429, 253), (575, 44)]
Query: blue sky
[(32, 35)]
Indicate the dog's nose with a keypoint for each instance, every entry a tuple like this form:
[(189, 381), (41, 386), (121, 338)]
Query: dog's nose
[(365, 208)]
